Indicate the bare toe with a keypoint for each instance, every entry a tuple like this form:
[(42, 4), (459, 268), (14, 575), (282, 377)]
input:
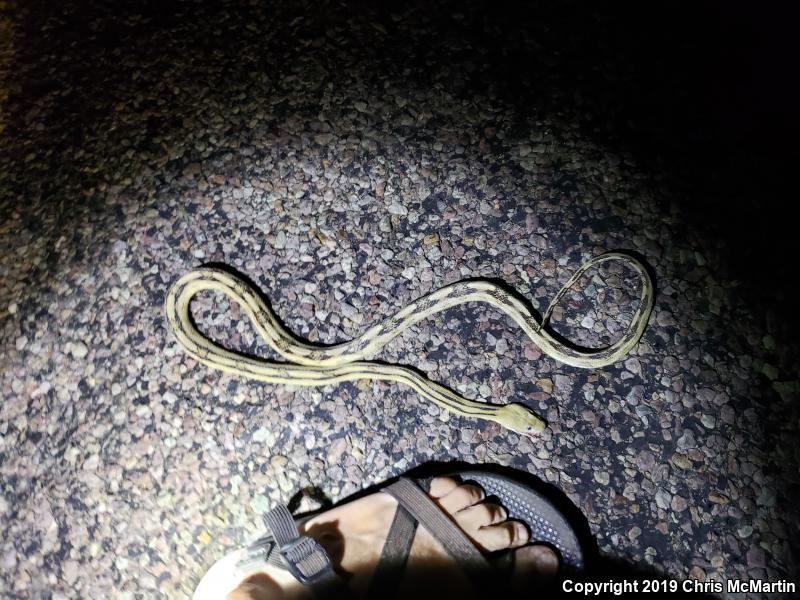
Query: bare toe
[(441, 486), (508, 534), (460, 498), (480, 515)]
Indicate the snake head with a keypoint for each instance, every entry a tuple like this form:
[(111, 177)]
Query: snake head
[(520, 419)]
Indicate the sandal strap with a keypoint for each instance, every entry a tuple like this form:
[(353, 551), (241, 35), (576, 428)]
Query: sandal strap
[(428, 514), (394, 555), (303, 556)]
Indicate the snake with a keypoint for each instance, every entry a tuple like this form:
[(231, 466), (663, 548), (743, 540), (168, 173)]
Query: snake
[(310, 364)]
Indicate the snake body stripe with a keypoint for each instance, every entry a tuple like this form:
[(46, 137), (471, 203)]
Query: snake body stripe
[(316, 366)]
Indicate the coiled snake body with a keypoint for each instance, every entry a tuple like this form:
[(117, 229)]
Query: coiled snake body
[(313, 365)]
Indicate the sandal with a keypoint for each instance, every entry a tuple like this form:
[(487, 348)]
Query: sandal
[(309, 563)]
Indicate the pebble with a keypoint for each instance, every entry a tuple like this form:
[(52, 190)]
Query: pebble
[(686, 440), (279, 461), (681, 461), (563, 384), (645, 461), (79, 350), (397, 209), (531, 352), (634, 366), (679, 503), (635, 395), (770, 371), (745, 531), (261, 435), (260, 504)]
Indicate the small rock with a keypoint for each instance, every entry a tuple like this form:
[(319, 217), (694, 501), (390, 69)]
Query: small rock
[(279, 462), (91, 463), (745, 531), (398, 209), (687, 440), (261, 434), (634, 366), (635, 395), (681, 461), (679, 503), (671, 365), (533, 353), (79, 350), (259, 503), (663, 499), (563, 384), (336, 450), (192, 169), (770, 371), (602, 477), (69, 571), (645, 461)]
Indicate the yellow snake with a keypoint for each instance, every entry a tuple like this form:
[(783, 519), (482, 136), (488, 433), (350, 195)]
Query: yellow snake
[(314, 365)]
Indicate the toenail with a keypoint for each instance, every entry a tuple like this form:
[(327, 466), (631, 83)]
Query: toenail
[(520, 532)]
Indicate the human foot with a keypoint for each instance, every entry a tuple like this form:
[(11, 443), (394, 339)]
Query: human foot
[(354, 535)]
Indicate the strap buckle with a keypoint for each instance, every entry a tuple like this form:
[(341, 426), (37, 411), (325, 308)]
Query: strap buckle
[(256, 554), (306, 560)]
